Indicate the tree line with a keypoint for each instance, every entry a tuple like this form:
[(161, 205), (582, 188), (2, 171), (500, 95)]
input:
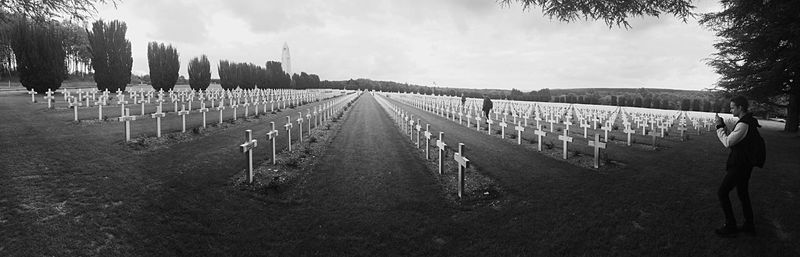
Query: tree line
[(41, 52)]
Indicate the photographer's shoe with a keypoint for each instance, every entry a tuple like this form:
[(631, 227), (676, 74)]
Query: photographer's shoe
[(726, 231)]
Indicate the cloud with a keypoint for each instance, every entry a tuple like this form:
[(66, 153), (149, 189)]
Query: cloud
[(457, 43)]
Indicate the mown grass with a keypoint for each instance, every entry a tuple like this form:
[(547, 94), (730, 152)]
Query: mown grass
[(76, 190)]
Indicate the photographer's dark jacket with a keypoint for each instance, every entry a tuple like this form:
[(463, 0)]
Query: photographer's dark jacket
[(738, 141)]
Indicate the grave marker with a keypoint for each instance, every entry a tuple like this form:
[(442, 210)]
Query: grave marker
[(75, 103), (272, 135), (519, 129), (597, 146), (183, 114), (503, 126), (427, 141), (566, 139), (441, 145), (33, 94), (158, 115), (49, 98), (127, 119), (288, 128), (463, 163), (247, 148), (540, 133), (629, 131)]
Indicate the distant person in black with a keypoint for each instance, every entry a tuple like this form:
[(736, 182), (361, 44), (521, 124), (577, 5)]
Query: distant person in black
[(487, 106), (738, 168), (463, 99)]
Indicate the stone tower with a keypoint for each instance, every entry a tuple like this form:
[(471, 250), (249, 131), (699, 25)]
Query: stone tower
[(286, 60)]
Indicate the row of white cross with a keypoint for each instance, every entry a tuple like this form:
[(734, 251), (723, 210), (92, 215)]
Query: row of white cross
[(331, 108), (597, 144), (247, 97), (407, 125)]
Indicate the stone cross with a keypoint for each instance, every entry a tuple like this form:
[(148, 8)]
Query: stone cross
[(606, 129), (247, 148), (469, 118), (503, 126), (463, 163), (300, 125), (441, 145), (490, 122), (682, 129), (597, 146), (288, 127), (629, 131), (75, 103), (566, 139), (49, 99), (478, 122), (309, 120), (567, 123), (158, 115), (183, 114), (203, 110), (141, 101), (235, 106), (663, 127), (418, 128), (121, 101), (643, 125), (33, 94), (99, 104), (540, 133), (427, 141), (272, 135), (585, 127), (127, 119), (519, 129), (220, 107), (246, 105)]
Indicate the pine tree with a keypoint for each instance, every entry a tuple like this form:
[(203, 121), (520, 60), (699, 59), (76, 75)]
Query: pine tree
[(199, 73), (164, 65), (111, 55), (40, 55)]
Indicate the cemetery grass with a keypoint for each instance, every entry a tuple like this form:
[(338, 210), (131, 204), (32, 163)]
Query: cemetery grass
[(658, 202), (78, 190)]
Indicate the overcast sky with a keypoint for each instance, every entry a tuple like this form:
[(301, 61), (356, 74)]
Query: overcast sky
[(454, 43)]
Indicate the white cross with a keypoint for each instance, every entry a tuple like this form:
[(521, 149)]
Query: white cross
[(183, 114), (597, 146), (300, 125), (463, 163), (490, 122), (158, 115), (33, 94), (49, 98), (247, 147), (427, 141), (220, 107), (418, 127), (127, 119), (539, 133), (75, 103), (519, 129), (288, 128), (441, 145), (503, 126), (566, 139)]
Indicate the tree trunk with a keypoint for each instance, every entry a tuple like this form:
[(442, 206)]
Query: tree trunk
[(793, 112)]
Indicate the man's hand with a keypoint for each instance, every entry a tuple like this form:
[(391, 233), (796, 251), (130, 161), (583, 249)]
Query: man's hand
[(719, 121)]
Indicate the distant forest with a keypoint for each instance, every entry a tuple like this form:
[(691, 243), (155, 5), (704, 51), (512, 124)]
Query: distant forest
[(670, 99)]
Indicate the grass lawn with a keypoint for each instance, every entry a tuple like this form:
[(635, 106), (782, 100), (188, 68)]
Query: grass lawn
[(75, 189)]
